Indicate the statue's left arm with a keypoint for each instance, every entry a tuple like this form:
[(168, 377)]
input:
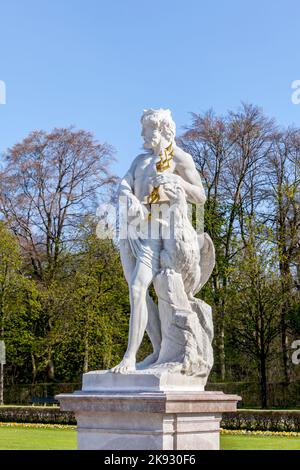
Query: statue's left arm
[(190, 178)]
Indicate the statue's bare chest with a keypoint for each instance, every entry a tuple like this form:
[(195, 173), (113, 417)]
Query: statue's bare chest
[(147, 168)]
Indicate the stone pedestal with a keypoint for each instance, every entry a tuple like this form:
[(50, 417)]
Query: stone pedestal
[(146, 411)]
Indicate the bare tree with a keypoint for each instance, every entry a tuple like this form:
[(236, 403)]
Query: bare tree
[(228, 151), (255, 305), (48, 182), (282, 193)]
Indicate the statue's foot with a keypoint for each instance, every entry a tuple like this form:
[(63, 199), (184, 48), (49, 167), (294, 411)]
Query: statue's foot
[(126, 365), (168, 366), (148, 361)]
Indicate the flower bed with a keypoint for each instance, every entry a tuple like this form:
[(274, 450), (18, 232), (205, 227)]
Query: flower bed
[(35, 414), (67, 427), (243, 420)]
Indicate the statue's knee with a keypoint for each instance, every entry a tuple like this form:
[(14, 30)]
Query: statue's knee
[(138, 290)]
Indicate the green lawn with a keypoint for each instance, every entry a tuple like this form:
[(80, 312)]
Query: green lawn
[(37, 439), (259, 443), (64, 439)]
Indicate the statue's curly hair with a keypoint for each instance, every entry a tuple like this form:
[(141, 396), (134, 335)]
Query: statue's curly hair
[(163, 120)]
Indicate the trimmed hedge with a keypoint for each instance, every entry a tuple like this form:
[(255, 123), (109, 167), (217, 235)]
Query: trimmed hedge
[(35, 414), (22, 394), (280, 395), (262, 420), (251, 420)]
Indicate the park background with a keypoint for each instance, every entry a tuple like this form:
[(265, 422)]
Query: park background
[(226, 71)]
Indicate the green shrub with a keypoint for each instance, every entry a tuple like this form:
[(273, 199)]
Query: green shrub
[(262, 420), (34, 414)]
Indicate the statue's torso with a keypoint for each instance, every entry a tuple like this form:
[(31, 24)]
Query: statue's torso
[(145, 170)]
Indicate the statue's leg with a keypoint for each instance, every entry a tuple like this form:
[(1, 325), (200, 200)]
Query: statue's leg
[(153, 329), (140, 281)]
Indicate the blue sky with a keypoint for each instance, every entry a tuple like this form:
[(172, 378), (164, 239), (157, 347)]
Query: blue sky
[(97, 64)]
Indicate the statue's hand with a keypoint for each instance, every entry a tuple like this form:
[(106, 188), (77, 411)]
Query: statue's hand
[(167, 178), (135, 208), (172, 185)]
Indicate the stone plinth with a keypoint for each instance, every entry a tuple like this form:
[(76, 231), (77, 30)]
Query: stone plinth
[(129, 418), (148, 380)]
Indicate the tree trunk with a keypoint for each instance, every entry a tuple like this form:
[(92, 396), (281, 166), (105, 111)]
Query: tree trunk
[(86, 356), (222, 351), (1, 383), (34, 369), (222, 332), (50, 368), (220, 328), (284, 347), (263, 382), (286, 289)]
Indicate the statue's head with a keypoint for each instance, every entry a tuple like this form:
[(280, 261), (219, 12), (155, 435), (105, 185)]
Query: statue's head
[(158, 129)]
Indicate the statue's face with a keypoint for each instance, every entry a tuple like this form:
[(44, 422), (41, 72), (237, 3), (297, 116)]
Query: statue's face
[(154, 138), (151, 136), (158, 129)]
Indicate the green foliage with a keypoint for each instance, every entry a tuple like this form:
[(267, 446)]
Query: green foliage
[(76, 322), (293, 320)]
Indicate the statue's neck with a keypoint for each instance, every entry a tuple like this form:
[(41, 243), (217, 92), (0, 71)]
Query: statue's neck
[(163, 145)]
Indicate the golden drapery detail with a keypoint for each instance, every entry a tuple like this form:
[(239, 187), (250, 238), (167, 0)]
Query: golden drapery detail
[(162, 165)]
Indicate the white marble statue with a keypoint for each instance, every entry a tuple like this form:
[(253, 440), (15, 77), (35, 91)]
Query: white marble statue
[(163, 248)]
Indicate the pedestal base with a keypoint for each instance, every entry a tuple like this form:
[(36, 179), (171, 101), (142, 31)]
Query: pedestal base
[(149, 420)]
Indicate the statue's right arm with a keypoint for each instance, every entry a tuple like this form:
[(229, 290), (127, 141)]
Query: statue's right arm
[(126, 190), (126, 187)]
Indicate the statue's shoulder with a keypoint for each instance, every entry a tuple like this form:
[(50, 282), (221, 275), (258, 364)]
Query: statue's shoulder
[(141, 156), (136, 161), (182, 158)]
